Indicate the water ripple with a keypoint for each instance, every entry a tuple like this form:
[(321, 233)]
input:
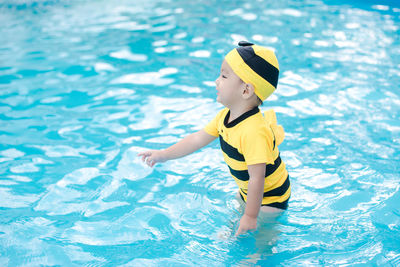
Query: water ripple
[(125, 230), (154, 78)]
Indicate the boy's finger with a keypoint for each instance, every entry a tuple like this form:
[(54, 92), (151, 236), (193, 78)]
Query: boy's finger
[(150, 162), (144, 153), (239, 231)]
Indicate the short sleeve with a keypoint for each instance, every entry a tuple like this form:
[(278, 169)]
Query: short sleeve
[(257, 146), (212, 127)]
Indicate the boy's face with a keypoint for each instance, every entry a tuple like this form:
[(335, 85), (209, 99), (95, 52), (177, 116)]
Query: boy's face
[(229, 86)]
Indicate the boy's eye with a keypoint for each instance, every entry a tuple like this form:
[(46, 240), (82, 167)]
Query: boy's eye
[(223, 76)]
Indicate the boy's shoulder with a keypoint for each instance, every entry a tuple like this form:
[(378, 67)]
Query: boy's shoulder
[(257, 120), (222, 113), (254, 125)]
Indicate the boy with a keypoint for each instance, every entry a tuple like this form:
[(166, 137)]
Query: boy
[(249, 74)]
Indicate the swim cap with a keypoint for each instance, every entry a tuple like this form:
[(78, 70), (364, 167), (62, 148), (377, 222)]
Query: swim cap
[(256, 65)]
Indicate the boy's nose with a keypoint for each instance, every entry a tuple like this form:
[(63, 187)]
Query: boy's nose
[(217, 81)]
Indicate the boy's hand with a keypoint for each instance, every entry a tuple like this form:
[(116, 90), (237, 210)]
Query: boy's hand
[(151, 157), (246, 223)]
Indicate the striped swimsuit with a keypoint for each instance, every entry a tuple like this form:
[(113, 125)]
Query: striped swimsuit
[(252, 139)]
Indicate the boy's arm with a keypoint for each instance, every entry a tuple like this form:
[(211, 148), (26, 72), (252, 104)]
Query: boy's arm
[(184, 147), (254, 198)]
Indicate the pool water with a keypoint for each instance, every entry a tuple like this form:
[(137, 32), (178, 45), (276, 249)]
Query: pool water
[(86, 85)]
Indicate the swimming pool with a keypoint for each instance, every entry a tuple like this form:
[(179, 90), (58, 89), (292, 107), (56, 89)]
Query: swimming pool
[(85, 85)]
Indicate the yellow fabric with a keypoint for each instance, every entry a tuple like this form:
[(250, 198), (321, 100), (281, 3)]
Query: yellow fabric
[(262, 88), (269, 200), (278, 131), (274, 180), (266, 54), (254, 138), (213, 126)]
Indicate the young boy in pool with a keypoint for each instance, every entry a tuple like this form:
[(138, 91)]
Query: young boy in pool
[(249, 140)]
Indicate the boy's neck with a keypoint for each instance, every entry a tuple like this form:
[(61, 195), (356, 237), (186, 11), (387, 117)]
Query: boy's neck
[(235, 112)]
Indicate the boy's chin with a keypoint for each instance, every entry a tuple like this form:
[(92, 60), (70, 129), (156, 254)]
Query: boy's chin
[(221, 102)]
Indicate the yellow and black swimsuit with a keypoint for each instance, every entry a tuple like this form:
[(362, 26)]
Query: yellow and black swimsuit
[(252, 139)]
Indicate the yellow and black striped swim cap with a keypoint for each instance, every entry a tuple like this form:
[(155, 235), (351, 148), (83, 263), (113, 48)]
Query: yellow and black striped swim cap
[(256, 65)]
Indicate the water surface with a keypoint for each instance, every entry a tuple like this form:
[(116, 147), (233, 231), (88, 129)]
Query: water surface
[(86, 85)]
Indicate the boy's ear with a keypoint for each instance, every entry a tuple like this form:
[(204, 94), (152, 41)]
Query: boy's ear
[(248, 91)]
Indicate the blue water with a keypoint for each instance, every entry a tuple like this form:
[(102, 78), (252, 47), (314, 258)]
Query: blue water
[(85, 85)]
